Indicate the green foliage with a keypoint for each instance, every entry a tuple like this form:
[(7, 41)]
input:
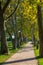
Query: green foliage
[(26, 14)]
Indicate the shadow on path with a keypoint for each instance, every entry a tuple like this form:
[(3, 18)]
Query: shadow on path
[(21, 60)]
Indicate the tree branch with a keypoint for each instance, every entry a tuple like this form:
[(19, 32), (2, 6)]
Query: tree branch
[(5, 6), (7, 30), (13, 11)]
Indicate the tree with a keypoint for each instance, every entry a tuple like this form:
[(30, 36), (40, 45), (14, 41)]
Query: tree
[(4, 48), (39, 14), (40, 29)]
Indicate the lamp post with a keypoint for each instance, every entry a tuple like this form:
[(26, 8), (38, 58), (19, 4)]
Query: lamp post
[(13, 37)]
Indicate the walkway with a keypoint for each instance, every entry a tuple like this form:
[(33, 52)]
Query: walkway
[(25, 56)]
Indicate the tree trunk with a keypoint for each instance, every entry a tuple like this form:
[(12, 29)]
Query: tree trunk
[(40, 29), (4, 48), (33, 39), (15, 30), (13, 41), (18, 43)]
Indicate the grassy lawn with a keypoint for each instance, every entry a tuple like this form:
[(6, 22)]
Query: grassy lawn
[(11, 52), (40, 60)]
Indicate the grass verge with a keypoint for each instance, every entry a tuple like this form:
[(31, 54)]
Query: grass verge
[(40, 60)]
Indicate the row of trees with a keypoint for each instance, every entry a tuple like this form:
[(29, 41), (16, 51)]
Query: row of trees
[(24, 18)]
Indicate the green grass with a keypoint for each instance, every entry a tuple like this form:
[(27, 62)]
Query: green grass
[(11, 52), (40, 60)]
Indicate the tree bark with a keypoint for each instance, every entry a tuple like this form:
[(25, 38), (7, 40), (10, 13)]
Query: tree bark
[(4, 48), (40, 29)]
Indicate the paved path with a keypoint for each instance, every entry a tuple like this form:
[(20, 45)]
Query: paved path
[(25, 56)]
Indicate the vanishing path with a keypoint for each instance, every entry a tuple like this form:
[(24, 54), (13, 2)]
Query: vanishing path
[(25, 56)]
